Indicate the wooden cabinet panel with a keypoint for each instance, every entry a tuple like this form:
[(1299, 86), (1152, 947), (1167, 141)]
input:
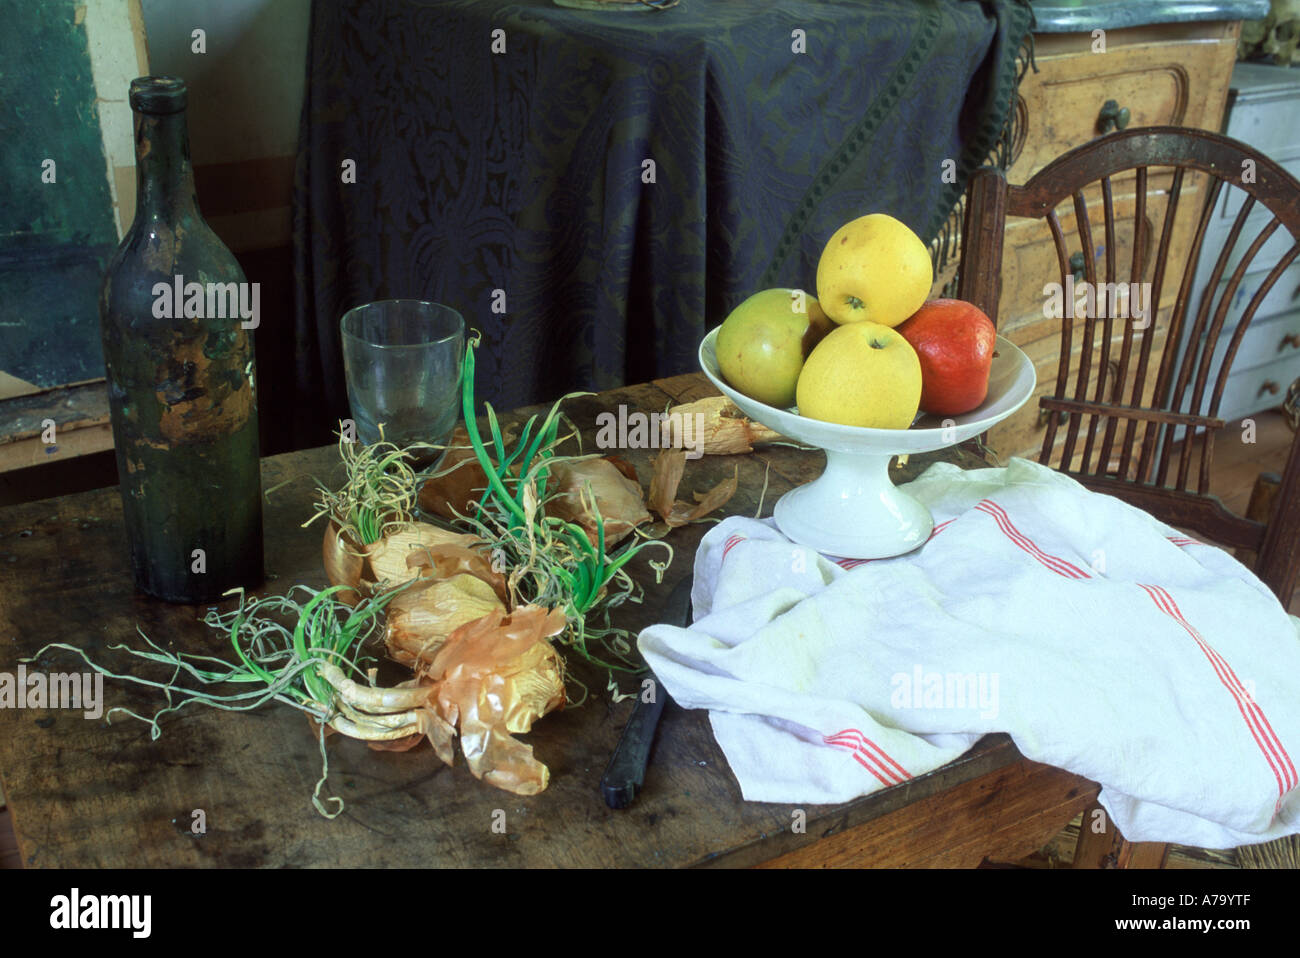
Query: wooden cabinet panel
[(1029, 259), (1165, 75), (1022, 434), (1029, 262), (1063, 106)]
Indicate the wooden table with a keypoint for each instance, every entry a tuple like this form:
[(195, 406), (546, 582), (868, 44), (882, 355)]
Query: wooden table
[(84, 793)]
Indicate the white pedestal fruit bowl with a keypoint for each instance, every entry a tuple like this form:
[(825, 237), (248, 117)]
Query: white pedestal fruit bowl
[(853, 509)]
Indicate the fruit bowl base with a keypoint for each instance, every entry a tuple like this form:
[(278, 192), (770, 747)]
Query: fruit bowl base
[(853, 510)]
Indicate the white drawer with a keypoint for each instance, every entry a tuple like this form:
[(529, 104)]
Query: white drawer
[(1231, 199), (1263, 106), (1283, 299), (1264, 343), (1249, 391), (1245, 392)]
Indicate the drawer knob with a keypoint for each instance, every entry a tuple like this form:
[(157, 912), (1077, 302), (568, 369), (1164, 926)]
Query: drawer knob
[(1045, 416), (1077, 266), (1291, 339), (1268, 386), (1112, 117)]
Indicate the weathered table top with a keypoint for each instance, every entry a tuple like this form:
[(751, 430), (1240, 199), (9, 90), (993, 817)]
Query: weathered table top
[(85, 793)]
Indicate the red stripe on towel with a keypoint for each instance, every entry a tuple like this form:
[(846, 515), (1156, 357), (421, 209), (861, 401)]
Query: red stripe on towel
[(854, 739), (1278, 760), (870, 768), (867, 761), (1056, 564), (731, 543), (890, 776), (940, 527), (1239, 690)]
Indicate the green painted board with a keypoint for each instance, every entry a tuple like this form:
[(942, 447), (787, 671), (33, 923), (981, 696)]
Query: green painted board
[(55, 238)]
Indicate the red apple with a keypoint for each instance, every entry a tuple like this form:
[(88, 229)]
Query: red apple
[(955, 343)]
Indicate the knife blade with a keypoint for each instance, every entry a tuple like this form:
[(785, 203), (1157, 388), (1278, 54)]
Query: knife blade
[(626, 771)]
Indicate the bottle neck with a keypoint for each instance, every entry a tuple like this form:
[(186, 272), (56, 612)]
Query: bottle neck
[(164, 179)]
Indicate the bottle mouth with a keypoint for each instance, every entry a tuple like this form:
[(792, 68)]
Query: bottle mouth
[(158, 95)]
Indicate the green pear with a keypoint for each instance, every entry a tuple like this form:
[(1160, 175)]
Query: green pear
[(763, 343)]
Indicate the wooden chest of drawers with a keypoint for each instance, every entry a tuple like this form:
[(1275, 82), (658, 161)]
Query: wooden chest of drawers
[(1169, 74)]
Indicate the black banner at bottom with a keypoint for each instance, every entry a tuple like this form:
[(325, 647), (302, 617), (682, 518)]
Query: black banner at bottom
[(133, 907)]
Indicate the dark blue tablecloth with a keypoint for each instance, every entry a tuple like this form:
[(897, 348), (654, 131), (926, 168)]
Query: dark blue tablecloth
[(524, 171)]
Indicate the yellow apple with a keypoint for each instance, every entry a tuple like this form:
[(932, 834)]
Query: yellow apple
[(873, 270), (861, 374), (762, 344)]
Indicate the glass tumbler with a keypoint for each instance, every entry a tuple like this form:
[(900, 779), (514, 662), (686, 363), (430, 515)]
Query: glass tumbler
[(402, 361)]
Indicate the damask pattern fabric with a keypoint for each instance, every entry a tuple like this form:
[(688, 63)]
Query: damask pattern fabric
[(525, 171)]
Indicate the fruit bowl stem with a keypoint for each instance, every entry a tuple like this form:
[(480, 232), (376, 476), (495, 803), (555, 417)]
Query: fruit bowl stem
[(854, 510)]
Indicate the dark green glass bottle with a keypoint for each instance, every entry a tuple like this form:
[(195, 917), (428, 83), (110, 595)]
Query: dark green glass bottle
[(177, 316)]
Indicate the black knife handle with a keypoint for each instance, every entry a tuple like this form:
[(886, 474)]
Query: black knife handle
[(626, 771)]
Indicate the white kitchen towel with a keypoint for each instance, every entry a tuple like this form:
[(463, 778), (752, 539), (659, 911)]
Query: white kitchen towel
[(1103, 641)]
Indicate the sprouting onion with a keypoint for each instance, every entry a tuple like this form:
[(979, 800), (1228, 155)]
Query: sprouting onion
[(378, 494), (551, 561), (299, 652)]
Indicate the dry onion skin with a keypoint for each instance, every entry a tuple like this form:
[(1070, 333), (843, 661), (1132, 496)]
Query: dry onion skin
[(722, 430), (669, 466), (488, 674), (491, 680), (458, 486), (371, 529), (422, 617), (366, 571), (612, 497), (456, 586), (444, 561)]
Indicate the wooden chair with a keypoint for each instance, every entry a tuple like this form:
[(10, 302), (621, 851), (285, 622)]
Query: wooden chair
[(1126, 434), (1151, 464)]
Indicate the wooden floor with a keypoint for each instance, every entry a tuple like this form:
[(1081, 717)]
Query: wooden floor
[(1236, 464), (1060, 854)]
